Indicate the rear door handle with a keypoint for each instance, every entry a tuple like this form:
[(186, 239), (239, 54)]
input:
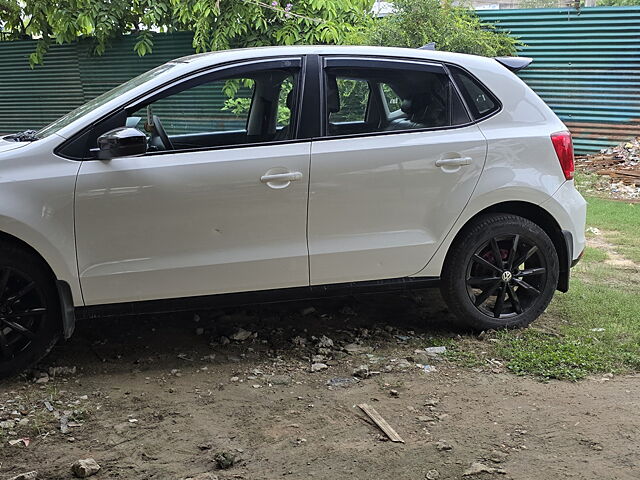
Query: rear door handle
[(281, 177), (453, 162)]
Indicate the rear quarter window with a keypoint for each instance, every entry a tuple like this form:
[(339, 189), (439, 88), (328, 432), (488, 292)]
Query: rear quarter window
[(479, 99)]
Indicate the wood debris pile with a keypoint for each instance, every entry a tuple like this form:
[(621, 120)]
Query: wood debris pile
[(621, 163)]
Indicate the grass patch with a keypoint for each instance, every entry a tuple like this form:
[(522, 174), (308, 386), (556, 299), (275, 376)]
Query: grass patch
[(597, 329), (621, 223), (594, 255), (590, 183)]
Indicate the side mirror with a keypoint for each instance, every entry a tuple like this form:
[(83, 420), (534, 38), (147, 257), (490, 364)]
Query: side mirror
[(121, 142)]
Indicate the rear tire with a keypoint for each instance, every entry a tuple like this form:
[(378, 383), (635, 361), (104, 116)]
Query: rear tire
[(30, 318), (501, 272)]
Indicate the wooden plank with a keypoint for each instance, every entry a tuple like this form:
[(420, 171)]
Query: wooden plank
[(381, 423), (626, 176)]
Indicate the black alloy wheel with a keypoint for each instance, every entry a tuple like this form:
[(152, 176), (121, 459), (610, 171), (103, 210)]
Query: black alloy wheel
[(506, 276), (30, 320), (22, 311), (501, 272)]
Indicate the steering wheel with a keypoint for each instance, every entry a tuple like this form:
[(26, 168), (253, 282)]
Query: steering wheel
[(159, 137)]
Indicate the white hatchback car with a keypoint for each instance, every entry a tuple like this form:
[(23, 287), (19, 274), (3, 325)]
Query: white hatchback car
[(280, 173)]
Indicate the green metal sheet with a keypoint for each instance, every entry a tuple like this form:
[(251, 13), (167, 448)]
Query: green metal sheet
[(586, 67), (71, 75)]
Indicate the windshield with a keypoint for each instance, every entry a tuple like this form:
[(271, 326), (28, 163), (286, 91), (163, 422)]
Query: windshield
[(101, 100)]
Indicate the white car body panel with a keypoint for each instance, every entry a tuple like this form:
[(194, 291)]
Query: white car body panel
[(196, 223), (379, 206), (192, 223), (6, 146), (570, 211), (36, 204)]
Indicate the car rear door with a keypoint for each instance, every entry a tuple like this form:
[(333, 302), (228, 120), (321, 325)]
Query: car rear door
[(391, 171)]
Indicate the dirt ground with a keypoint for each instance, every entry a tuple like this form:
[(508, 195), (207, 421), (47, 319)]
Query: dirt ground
[(162, 397)]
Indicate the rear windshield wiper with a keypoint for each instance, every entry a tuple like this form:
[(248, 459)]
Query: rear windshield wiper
[(26, 136)]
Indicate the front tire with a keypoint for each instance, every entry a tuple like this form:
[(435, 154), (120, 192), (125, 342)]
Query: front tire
[(30, 319), (501, 272)]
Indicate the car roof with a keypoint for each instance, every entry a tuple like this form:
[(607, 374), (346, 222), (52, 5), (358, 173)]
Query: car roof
[(223, 56)]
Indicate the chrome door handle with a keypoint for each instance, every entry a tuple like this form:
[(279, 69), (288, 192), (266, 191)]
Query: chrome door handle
[(281, 177), (453, 162)]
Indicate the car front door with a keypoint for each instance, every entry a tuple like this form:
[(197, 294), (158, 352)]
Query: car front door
[(219, 202), (397, 163)]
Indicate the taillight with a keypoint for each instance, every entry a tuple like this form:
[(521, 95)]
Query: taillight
[(564, 150)]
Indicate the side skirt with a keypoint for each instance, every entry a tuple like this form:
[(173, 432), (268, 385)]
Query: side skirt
[(255, 298)]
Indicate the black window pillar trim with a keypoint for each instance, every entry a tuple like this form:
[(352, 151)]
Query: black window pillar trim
[(312, 108), (456, 88)]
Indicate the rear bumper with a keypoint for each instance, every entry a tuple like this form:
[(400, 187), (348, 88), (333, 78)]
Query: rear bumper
[(570, 211)]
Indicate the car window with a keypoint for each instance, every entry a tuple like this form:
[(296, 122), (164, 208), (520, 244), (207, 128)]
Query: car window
[(479, 100), (103, 99), (215, 107), (367, 100), (253, 108)]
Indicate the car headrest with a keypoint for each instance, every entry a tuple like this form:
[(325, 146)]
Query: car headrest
[(290, 100), (333, 95), (407, 106)]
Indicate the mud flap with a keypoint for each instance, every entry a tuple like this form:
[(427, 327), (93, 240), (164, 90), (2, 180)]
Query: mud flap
[(67, 309), (565, 262)]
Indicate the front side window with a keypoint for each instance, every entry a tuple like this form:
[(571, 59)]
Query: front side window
[(253, 108), (368, 100)]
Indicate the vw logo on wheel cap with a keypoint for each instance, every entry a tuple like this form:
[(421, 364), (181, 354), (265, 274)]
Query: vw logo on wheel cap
[(506, 276)]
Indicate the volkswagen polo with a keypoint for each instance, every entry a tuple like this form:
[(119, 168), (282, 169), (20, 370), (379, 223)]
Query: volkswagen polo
[(283, 173)]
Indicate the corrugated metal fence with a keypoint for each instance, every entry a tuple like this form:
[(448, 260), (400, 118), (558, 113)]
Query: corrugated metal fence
[(71, 76), (586, 67)]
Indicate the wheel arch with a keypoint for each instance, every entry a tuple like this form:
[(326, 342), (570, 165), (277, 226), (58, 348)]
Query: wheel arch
[(544, 220), (65, 295), (13, 240)]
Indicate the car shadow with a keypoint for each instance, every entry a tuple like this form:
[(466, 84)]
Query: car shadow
[(173, 341)]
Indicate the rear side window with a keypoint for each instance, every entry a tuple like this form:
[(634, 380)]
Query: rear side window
[(379, 99), (479, 100)]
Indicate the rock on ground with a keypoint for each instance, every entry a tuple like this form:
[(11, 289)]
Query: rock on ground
[(477, 468), (85, 468), (224, 460), (26, 476), (241, 335), (317, 367), (279, 380), (432, 475), (203, 476), (325, 342), (443, 446)]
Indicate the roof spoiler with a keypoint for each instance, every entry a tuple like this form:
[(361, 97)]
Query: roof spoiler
[(515, 64)]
